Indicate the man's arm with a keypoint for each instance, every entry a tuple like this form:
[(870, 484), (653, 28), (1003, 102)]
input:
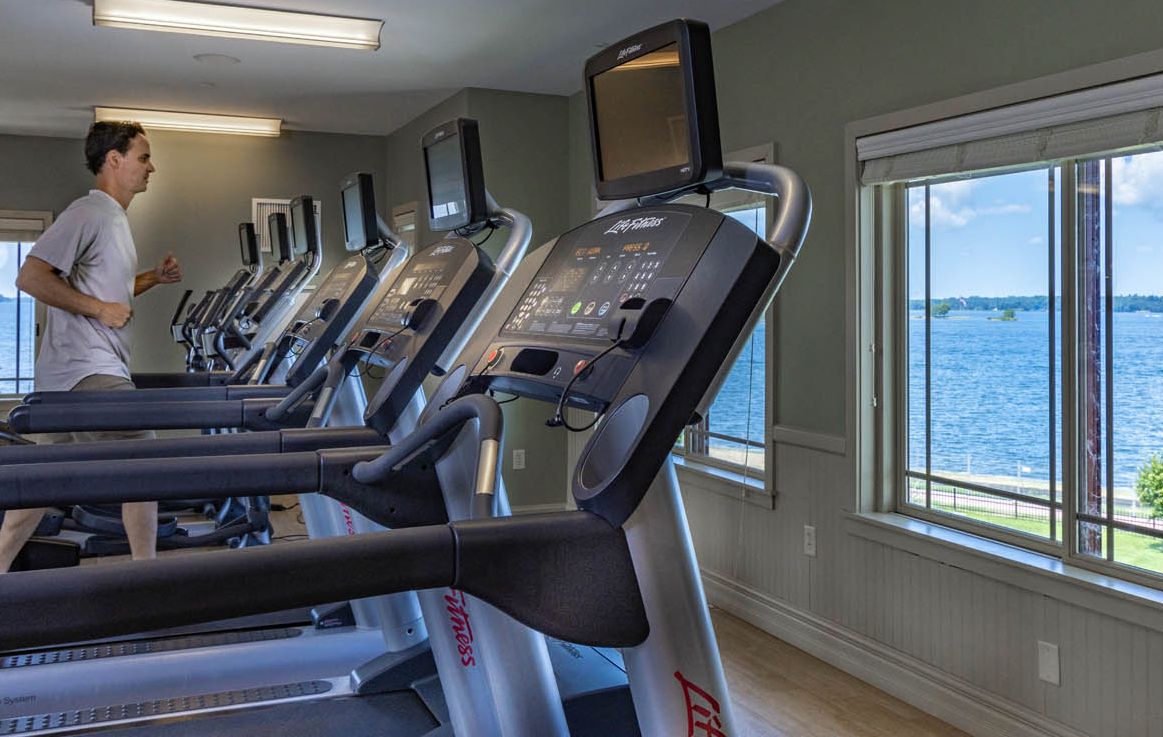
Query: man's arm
[(166, 272), (40, 279)]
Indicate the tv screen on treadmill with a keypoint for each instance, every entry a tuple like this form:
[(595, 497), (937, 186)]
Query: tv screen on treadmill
[(245, 242), (446, 190), (641, 115), (299, 228), (353, 218)]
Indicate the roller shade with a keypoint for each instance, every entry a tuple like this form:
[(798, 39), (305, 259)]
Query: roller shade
[(23, 227), (1100, 120)]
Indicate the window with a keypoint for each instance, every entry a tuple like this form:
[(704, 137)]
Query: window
[(733, 435), (1020, 310), (18, 231)]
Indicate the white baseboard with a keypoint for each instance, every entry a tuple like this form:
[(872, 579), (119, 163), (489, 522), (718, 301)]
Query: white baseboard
[(963, 705)]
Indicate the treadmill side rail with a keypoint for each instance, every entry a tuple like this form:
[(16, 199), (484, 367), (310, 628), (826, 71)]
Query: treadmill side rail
[(121, 598)]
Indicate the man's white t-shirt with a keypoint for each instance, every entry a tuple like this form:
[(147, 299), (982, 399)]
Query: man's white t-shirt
[(91, 246)]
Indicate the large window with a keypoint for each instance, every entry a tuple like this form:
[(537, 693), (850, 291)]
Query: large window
[(17, 323), (733, 435), (1021, 308), (733, 432)]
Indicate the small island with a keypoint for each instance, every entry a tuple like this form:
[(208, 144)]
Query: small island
[(1006, 316)]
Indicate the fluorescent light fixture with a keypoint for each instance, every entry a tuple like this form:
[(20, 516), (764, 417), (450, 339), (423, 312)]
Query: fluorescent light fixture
[(197, 122), (233, 21)]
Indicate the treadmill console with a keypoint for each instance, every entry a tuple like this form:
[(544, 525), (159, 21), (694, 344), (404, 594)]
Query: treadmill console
[(406, 333), (565, 315), (694, 276), (324, 317)]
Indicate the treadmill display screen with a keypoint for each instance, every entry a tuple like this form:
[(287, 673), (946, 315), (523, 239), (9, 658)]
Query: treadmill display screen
[(299, 229), (353, 218), (446, 193), (641, 115), (612, 260), (246, 243)]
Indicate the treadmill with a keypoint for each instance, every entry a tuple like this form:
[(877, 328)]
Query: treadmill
[(227, 324), (430, 309), (684, 286), (199, 400), (203, 358)]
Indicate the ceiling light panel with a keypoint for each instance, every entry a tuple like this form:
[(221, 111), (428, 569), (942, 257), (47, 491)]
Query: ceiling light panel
[(232, 21), (196, 122)]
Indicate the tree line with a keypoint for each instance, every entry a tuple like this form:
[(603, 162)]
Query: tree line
[(1122, 303)]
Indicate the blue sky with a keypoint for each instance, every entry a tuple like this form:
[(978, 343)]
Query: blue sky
[(990, 235)]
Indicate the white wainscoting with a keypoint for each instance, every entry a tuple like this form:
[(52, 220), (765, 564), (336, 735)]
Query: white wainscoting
[(951, 641)]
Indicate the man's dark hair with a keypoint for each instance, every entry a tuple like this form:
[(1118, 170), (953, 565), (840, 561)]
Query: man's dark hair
[(106, 136)]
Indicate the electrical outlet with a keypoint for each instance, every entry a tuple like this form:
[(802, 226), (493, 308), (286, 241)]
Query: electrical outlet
[(1048, 666), (519, 459), (810, 541)]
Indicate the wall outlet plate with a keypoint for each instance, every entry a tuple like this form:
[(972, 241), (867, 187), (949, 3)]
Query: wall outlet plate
[(1048, 664), (810, 541), (519, 459)]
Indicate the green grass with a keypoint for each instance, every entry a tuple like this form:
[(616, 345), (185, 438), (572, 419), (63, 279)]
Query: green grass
[(1132, 549)]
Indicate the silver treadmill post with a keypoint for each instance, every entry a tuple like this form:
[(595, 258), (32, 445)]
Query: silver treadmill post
[(676, 675), (489, 664)]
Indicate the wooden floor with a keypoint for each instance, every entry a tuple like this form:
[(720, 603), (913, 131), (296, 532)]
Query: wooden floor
[(777, 690), (780, 691)]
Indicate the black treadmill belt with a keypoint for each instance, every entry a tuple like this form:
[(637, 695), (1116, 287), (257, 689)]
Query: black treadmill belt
[(397, 714)]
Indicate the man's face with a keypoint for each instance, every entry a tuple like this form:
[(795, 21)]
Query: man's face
[(134, 167)]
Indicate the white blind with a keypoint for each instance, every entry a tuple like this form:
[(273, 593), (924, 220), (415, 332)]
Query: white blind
[(261, 208), (1099, 120), (19, 226)]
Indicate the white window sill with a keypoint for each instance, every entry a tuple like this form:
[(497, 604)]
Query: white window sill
[(1015, 566), (705, 477)]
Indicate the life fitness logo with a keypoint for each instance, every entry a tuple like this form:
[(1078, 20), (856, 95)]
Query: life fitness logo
[(348, 519), (457, 607), (629, 50), (627, 225), (702, 710)]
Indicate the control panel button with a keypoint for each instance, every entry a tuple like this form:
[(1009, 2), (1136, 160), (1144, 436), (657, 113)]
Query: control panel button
[(494, 357), (581, 368)]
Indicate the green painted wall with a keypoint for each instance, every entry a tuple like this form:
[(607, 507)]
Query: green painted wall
[(41, 173), (798, 72), (202, 190), (200, 193)]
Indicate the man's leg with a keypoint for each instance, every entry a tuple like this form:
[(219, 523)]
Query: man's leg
[(19, 524), (139, 518)]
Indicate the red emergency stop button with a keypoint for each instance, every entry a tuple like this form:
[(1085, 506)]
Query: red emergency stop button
[(580, 366), (494, 357)]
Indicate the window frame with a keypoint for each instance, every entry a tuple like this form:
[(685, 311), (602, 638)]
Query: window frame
[(23, 227), (692, 457), (883, 239)]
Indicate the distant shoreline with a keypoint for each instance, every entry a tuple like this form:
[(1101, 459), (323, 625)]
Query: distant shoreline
[(1122, 303)]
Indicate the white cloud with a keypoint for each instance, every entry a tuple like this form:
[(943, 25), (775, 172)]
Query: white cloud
[(1138, 180), (1005, 210), (948, 210), (1035, 241), (4, 257), (956, 191), (1145, 249)]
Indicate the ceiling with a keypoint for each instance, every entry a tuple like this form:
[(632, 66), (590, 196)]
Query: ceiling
[(55, 65)]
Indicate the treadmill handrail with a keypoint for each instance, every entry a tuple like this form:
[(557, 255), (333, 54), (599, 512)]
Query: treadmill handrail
[(526, 566)]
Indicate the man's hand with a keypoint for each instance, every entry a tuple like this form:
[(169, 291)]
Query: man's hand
[(113, 314), (168, 271)]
